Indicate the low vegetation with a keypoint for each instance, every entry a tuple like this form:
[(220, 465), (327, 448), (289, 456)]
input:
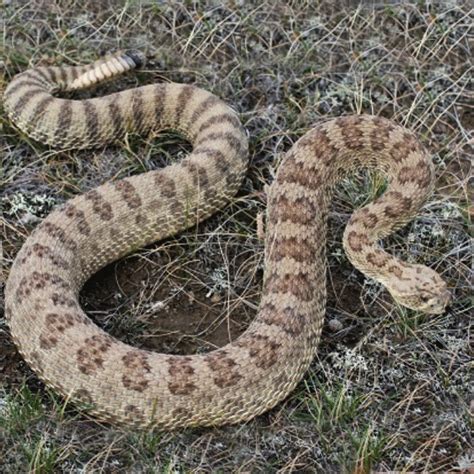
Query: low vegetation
[(390, 388)]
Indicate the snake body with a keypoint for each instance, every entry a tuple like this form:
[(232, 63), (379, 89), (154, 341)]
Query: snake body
[(140, 388)]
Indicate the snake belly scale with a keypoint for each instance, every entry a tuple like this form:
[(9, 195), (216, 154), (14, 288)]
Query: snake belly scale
[(140, 388)]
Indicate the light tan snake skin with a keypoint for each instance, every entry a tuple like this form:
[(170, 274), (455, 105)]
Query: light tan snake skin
[(139, 388)]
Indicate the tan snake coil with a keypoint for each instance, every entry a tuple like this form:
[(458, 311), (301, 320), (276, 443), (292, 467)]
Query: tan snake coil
[(140, 388)]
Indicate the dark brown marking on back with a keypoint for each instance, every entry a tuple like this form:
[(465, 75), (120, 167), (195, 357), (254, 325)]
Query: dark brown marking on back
[(351, 132), (291, 247), (116, 118), (166, 186), (380, 134), (92, 126), (60, 299), (217, 120), (56, 232), (320, 146), (129, 193), (137, 109), (20, 84), (294, 173), (205, 105), (136, 368), (419, 174), (159, 94), (182, 375), (99, 205), (91, 356), (299, 285), (302, 210), (232, 140), (63, 79), (40, 72), (261, 348), (45, 252), (79, 218), (198, 174), (41, 107), (38, 281), (25, 98), (64, 122), (182, 101), (287, 319), (395, 270), (378, 258), (402, 149), (225, 369), (357, 241)]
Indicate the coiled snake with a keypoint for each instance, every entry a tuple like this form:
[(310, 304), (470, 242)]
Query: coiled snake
[(135, 387)]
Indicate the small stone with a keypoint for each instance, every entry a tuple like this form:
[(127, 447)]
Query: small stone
[(335, 325), (215, 298)]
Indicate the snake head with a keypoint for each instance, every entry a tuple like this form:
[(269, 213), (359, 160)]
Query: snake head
[(421, 289)]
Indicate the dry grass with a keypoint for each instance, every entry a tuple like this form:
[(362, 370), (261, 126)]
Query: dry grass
[(389, 390)]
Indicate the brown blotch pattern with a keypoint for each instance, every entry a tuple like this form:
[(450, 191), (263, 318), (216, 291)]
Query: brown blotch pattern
[(291, 247), (60, 299), (402, 149), (137, 109), (218, 119), (320, 146), (182, 374), (129, 193), (261, 348), (205, 105), (293, 173), (99, 205), (226, 372), (232, 140), (357, 241), (419, 174), (302, 210), (56, 232), (351, 132), (402, 204), (378, 258), (55, 324), (93, 129), (117, 122), (79, 218), (182, 101), (64, 122), (166, 186), (297, 284), (287, 319), (38, 281), (43, 251), (91, 356), (136, 367), (395, 270), (198, 174), (380, 134)]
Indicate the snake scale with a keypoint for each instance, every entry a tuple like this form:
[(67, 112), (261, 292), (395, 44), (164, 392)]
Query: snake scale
[(139, 388)]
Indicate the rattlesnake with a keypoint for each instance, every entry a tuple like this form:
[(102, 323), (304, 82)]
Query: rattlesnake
[(140, 388)]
